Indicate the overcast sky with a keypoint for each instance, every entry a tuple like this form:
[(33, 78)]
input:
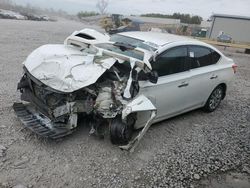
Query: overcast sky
[(203, 8)]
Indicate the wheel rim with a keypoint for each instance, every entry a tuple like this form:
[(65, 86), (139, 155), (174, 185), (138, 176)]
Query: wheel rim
[(215, 98)]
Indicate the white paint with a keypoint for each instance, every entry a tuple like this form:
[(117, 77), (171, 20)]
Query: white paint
[(127, 93), (99, 37), (65, 68), (139, 104)]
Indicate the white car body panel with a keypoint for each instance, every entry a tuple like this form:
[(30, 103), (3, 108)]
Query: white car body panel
[(170, 100), (65, 68), (74, 68), (98, 37), (139, 104), (164, 93)]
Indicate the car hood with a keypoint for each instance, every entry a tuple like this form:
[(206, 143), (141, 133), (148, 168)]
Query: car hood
[(65, 68)]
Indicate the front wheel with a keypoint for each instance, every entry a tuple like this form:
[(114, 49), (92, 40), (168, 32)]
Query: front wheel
[(214, 99), (120, 132)]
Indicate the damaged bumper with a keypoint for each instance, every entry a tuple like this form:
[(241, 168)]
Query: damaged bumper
[(39, 123)]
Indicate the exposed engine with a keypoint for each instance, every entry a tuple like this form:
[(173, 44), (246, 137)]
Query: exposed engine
[(102, 101)]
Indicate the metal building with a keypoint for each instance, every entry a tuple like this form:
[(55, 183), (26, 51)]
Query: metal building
[(238, 27), (149, 22)]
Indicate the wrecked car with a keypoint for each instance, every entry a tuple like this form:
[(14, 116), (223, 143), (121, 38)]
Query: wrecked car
[(119, 83)]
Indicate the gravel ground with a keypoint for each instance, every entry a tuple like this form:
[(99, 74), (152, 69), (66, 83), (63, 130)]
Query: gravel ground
[(192, 150)]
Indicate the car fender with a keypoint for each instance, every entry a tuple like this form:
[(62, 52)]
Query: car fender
[(139, 104)]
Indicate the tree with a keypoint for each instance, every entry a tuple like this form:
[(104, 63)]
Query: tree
[(86, 14), (102, 5), (185, 18)]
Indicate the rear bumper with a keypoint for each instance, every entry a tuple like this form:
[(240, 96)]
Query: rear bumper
[(39, 123)]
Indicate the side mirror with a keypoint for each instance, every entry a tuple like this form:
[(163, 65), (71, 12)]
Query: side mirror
[(153, 77)]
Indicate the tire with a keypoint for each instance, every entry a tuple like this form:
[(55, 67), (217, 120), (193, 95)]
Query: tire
[(120, 132), (214, 99)]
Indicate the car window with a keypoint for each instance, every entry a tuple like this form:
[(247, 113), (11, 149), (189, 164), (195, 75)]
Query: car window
[(128, 52), (215, 56), (131, 41), (202, 56), (172, 61)]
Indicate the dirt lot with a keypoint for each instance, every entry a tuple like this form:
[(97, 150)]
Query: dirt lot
[(193, 150)]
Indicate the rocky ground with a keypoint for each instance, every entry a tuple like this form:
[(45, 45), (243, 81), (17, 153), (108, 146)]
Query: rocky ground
[(192, 150)]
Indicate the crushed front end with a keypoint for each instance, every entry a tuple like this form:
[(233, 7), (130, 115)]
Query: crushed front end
[(54, 114), (50, 113), (95, 82)]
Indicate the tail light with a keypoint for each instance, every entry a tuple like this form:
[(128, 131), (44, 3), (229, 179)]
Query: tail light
[(234, 67)]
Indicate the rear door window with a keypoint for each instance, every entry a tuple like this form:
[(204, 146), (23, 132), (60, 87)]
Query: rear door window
[(202, 56)]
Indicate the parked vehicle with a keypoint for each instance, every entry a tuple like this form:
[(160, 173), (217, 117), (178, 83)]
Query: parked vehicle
[(122, 82), (224, 38), (200, 33), (7, 14)]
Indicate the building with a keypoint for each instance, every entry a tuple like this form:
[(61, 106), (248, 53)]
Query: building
[(238, 27), (162, 23)]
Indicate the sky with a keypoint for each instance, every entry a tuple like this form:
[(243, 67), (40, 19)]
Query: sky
[(204, 8)]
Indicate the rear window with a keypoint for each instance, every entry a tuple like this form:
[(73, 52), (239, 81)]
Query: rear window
[(215, 56), (202, 56)]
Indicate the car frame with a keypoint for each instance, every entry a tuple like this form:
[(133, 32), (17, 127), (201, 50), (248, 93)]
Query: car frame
[(124, 88)]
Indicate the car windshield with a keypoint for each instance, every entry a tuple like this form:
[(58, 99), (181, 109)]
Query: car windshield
[(123, 49), (132, 41)]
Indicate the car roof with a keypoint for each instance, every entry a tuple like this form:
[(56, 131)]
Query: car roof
[(157, 38)]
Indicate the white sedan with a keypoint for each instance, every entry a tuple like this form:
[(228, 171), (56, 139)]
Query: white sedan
[(125, 81)]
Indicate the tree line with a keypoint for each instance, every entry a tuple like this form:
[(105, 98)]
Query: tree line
[(83, 14), (185, 18)]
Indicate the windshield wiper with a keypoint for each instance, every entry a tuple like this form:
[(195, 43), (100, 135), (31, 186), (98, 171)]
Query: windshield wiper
[(124, 46)]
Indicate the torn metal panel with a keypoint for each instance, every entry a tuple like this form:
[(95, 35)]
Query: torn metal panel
[(139, 104), (134, 143)]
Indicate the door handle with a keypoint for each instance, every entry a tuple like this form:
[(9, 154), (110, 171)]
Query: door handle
[(214, 77), (184, 84)]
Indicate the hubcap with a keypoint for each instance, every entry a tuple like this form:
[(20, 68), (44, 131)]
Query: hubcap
[(215, 98)]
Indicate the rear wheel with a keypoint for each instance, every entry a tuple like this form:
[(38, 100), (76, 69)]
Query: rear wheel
[(214, 99), (120, 132)]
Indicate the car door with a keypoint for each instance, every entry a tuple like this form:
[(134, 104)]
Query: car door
[(171, 93), (204, 73)]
